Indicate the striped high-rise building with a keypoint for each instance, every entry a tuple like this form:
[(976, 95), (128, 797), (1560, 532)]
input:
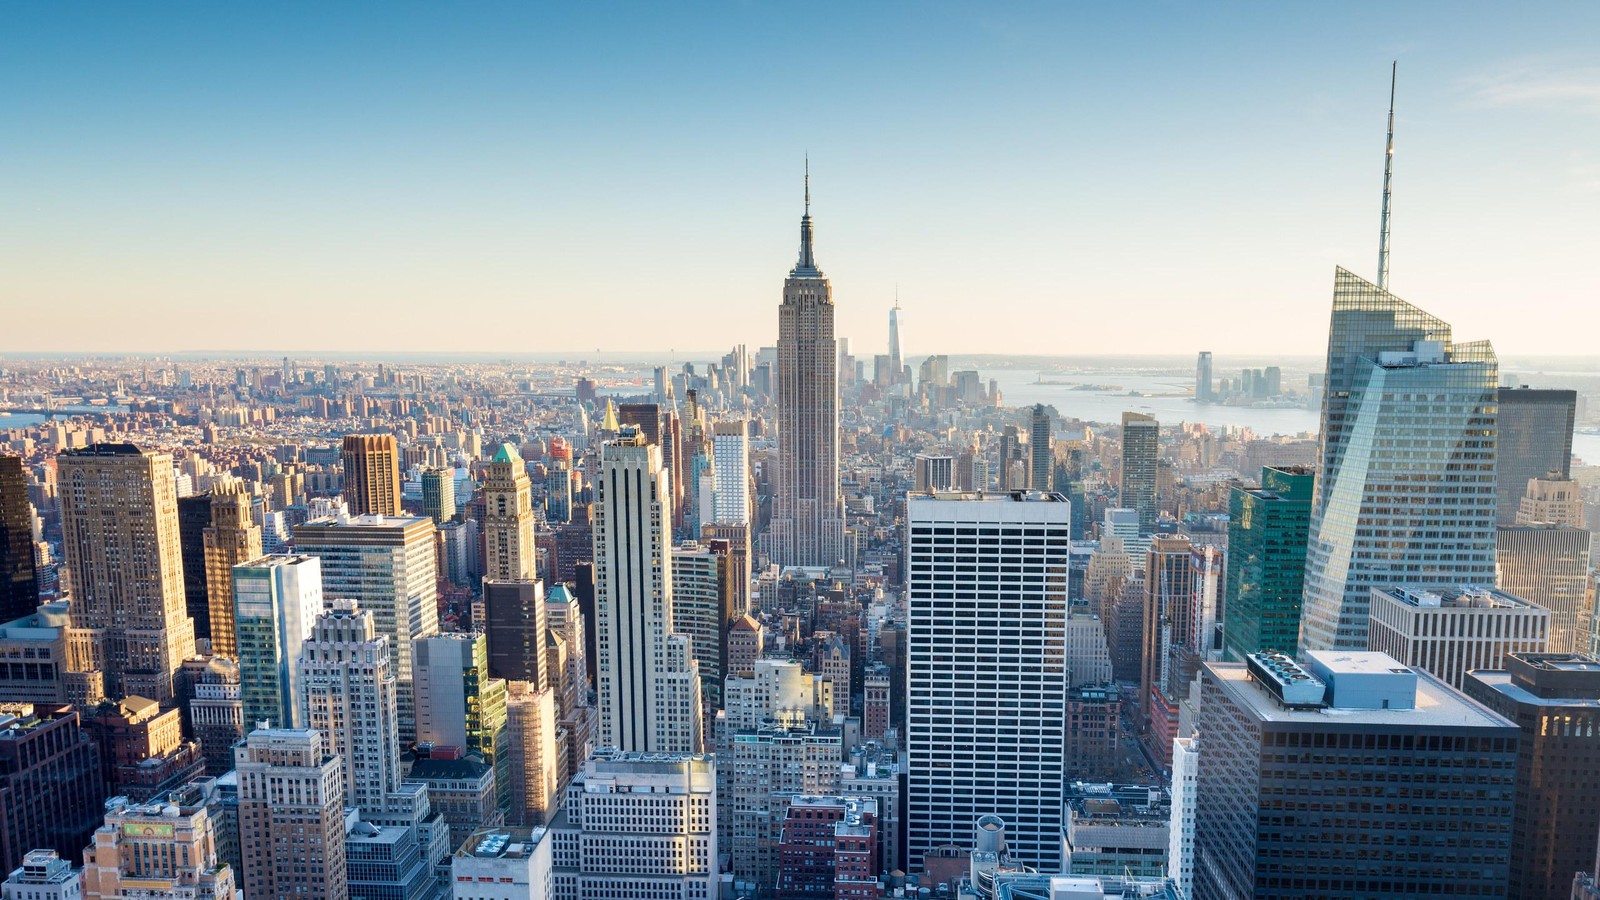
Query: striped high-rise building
[(372, 474)]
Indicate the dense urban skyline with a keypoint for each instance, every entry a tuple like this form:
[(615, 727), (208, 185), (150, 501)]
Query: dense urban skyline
[(366, 168)]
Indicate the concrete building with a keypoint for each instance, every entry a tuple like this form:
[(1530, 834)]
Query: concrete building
[(1404, 403), (232, 538), (51, 786), (504, 864), (1285, 743), (535, 769), (34, 651), (165, 849), (976, 697), (1552, 501), (276, 600), (291, 816), (143, 753), (119, 521), (1180, 830), (661, 809), (389, 566), (573, 630), (1555, 700), (1088, 655), (463, 790), (933, 472), (649, 684), (730, 461), (1094, 730), (216, 709), (372, 474), (43, 875), (1116, 830), (702, 609), (460, 705), (1450, 633)]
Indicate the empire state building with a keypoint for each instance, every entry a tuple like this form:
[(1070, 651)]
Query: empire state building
[(808, 521)]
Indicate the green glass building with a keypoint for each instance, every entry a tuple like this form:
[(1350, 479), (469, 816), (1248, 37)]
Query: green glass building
[(1267, 534)]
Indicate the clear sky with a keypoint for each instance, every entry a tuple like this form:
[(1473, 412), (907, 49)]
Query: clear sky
[(1046, 178)]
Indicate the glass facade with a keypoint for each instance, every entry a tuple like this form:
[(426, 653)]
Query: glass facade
[(1407, 487), (1267, 532), (1535, 441)]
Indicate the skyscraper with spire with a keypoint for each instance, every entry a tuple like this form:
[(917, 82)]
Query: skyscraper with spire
[(895, 360), (808, 522)]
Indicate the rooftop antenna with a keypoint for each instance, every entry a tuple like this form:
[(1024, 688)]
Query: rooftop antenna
[(1388, 176), (808, 168), (897, 295)]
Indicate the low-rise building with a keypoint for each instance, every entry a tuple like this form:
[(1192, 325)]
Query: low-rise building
[(1116, 830)]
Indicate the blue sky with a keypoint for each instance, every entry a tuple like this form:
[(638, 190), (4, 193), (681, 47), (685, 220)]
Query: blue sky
[(1061, 178)]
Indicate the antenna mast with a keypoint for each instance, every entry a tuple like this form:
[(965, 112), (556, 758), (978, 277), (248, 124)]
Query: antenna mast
[(1388, 176)]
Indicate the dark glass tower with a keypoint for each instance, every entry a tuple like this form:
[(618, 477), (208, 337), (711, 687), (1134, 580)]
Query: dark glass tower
[(19, 589), (1535, 440), (1267, 530)]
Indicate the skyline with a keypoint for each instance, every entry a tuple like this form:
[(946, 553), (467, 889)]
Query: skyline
[(194, 173)]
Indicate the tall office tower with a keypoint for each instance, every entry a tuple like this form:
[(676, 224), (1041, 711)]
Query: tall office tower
[(1548, 565), (649, 684), (661, 808), (977, 697), (19, 589), (1180, 829), (439, 495), (534, 768), (1408, 437), (1535, 442), (896, 361), (1202, 377), (216, 709), (372, 474), (508, 518), (291, 816), (558, 493), (1168, 661), (51, 789), (1267, 532), (703, 608), (516, 630), (165, 849), (1012, 475), (388, 565), (233, 538), (1041, 452), (737, 537), (1552, 501), (119, 522), (276, 601), (1554, 828), (808, 513), (1141, 441), (932, 472), (775, 741), (1449, 633), (460, 705), (730, 452), (194, 517), (569, 628), (1284, 744)]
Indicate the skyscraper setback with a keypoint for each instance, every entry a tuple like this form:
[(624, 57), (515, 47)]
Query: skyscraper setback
[(649, 685), (808, 519)]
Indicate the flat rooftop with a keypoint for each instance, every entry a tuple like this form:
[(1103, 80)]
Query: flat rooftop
[(1464, 597), (1502, 682), (1438, 706)]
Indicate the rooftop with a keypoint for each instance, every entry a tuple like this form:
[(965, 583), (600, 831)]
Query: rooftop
[(502, 843), (1437, 705), (1464, 597)]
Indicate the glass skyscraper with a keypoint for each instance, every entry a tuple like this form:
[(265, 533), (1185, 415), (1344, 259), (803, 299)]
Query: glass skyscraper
[(1535, 441), (1406, 493), (1267, 529)]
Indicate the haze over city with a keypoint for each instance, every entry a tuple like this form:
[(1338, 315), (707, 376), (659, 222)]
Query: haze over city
[(506, 177)]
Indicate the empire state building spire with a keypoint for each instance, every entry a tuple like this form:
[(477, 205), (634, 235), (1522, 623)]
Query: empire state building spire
[(807, 266)]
